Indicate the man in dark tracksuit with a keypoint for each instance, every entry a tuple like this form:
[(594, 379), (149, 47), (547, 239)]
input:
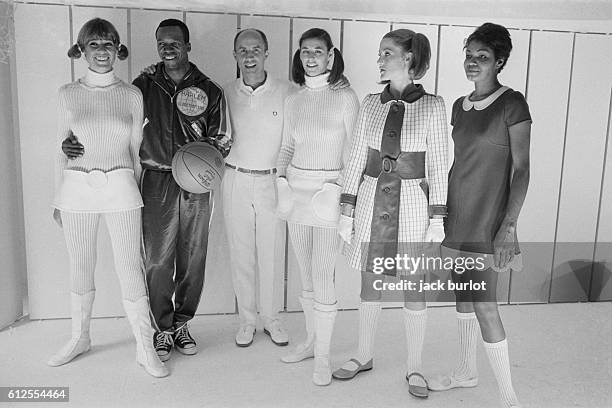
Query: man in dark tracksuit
[(181, 105)]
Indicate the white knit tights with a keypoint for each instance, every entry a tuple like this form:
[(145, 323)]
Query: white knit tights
[(316, 249), (81, 233)]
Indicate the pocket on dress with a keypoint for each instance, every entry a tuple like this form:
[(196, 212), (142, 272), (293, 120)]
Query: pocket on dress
[(326, 202)]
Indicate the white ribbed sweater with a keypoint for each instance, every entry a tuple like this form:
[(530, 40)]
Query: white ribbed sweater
[(318, 127), (106, 115)]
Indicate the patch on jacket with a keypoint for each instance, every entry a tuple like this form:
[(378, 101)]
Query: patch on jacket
[(192, 101)]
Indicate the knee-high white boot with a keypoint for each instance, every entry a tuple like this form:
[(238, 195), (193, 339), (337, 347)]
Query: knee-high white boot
[(138, 315), (324, 317), (305, 349), (80, 342)]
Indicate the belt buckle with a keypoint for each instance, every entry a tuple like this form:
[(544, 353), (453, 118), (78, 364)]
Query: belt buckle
[(388, 165), (96, 179)]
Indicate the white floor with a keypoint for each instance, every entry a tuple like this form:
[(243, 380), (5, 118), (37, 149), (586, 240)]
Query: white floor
[(561, 356)]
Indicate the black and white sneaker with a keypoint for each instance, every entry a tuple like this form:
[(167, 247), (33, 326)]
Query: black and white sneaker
[(183, 341), (163, 344)]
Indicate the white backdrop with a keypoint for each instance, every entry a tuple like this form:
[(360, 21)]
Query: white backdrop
[(565, 76)]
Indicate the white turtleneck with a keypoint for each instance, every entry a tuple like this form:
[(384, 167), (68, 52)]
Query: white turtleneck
[(318, 127), (106, 115), (318, 81)]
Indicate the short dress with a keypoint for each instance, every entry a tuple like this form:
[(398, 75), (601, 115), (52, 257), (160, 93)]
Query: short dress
[(106, 115), (479, 180), (318, 124), (423, 129)]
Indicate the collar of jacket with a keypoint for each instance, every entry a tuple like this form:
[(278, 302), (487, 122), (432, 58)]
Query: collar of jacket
[(161, 77), (410, 94)]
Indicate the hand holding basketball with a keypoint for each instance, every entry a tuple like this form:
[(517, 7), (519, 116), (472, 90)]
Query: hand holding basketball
[(198, 167)]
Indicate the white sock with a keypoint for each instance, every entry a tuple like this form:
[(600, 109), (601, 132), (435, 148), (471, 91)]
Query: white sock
[(415, 322), (468, 329), (368, 322), (500, 363)]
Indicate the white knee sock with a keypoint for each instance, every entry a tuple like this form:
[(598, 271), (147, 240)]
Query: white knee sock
[(500, 363), (468, 329), (368, 322), (415, 322)]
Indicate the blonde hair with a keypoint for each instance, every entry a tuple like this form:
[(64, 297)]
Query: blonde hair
[(418, 45), (97, 28)]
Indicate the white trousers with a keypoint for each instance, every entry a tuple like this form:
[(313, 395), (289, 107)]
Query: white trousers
[(249, 205)]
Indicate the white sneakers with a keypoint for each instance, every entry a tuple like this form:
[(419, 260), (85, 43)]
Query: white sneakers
[(272, 327), (277, 333), (244, 337)]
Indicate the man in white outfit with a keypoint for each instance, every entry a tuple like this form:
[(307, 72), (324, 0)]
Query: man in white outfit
[(249, 193)]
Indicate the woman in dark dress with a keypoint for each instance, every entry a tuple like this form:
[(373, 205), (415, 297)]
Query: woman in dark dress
[(487, 186)]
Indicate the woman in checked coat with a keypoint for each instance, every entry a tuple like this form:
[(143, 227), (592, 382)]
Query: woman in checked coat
[(395, 191)]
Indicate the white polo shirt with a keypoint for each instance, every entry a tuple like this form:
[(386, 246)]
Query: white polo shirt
[(257, 122)]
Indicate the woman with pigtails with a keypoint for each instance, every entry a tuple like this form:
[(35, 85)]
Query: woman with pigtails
[(318, 124), (106, 115)]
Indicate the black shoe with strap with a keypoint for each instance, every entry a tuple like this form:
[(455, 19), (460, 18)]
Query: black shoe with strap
[(183, 341)]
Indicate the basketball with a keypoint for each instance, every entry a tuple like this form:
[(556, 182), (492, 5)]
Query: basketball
[(198, 167)]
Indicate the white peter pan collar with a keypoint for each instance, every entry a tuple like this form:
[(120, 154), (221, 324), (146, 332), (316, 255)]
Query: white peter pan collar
[(483, 104)]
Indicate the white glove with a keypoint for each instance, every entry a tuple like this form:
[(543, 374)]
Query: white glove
[(435, 231), (326, 202), (285, 197), (345, 228)]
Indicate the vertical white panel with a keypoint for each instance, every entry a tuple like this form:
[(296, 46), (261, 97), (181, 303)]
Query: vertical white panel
[(277, 32), (11, 241), (601, 287), (452, 83), (431, 32), (582, 167), (212, 38), (547, 94), (47, 261), (118, 17), (361, 41), (514, 73), (143, 44)]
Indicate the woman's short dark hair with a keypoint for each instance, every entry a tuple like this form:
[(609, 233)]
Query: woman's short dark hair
[(94, 29), (495, 37), (173, 22), (297, 70), (418, 45)]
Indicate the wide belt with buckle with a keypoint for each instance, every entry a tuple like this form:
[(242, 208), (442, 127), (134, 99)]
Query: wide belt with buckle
[(249, 171), (409, 165)]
